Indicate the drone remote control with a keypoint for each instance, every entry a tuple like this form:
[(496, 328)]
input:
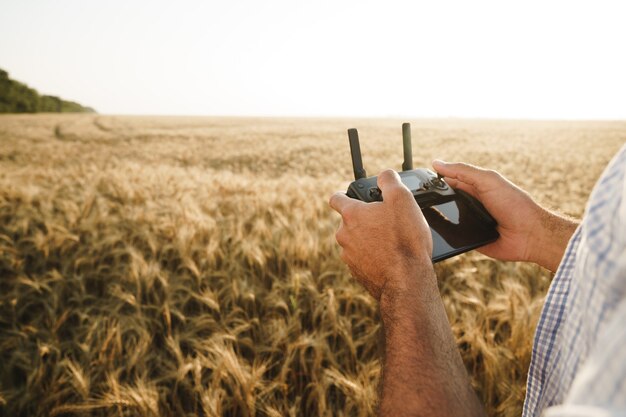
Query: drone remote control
[(458, 222), (427, 187)]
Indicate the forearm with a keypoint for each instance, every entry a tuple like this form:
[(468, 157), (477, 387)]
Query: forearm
[(551, 239), (423, 371)]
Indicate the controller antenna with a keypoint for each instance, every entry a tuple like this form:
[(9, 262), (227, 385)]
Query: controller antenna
[(407, 165), (355, 152)]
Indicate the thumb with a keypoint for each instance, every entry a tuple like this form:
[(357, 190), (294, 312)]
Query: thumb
[(388, 180), (477, 177), (391, 185)]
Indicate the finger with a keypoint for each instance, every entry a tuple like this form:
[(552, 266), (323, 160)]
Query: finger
[(458, 170), (339, 201), (456, 184), (389, 182), (491, 249), (477, 177)]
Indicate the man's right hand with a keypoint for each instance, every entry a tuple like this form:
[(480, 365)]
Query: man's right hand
[(528, 232)]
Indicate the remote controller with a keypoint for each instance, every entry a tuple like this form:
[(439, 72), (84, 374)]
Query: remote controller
[(458, 222), (427, 187)]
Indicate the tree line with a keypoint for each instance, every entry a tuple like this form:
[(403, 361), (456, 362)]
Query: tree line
[(16, 97)]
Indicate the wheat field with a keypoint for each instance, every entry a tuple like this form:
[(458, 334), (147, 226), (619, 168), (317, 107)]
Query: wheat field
[(186, 266)]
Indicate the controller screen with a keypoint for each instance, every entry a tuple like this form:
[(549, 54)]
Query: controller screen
[(412, 182), (456, 227)]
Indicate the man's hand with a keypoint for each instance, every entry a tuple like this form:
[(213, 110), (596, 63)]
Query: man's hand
[(528, 232), (384, 243), (388, 247)]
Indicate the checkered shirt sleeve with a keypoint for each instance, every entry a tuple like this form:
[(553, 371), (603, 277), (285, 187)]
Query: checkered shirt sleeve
[(578, 365)]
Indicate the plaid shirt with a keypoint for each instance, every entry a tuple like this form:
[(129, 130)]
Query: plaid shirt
[(578, 365)]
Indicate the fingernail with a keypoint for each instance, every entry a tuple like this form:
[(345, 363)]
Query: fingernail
[(438, 162)]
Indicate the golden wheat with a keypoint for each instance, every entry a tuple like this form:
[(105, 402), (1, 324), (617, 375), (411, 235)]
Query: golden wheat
[(187, 266)]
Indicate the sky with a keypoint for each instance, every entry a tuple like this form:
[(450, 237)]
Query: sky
[(548, 59)]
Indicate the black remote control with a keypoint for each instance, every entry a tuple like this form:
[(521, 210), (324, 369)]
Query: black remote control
[(427, 187), (458, 222)]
